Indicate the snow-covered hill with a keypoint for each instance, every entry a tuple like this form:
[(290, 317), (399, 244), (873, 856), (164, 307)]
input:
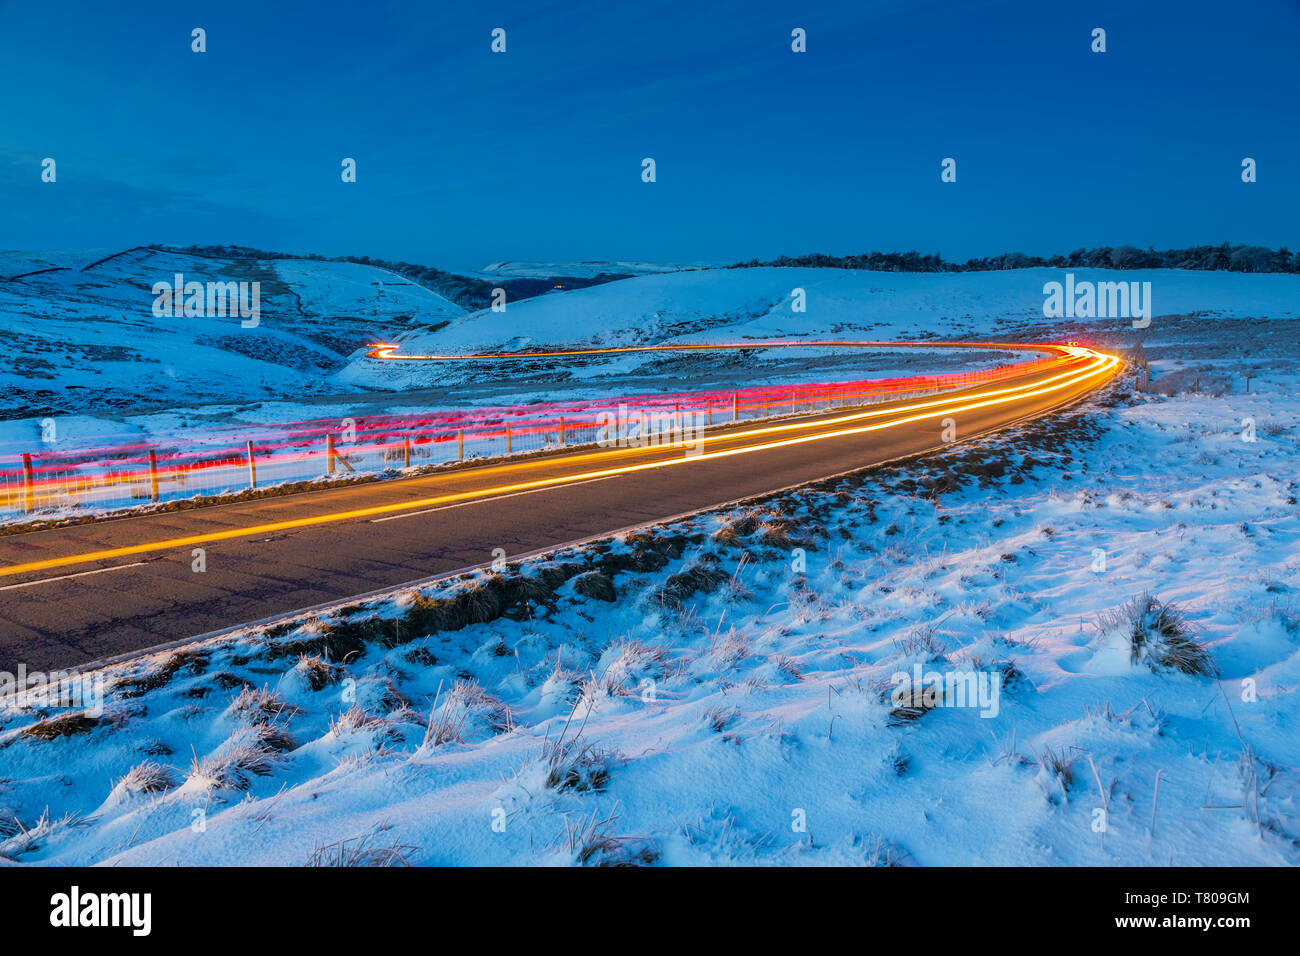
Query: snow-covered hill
[(737, 304), (85, 337)]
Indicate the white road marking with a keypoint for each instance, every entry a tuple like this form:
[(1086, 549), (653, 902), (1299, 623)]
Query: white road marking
[(480, 501), (65, 577)]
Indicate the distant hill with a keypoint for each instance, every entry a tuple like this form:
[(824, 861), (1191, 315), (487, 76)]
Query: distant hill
[(467, 291), (732, 305), (78, 332)]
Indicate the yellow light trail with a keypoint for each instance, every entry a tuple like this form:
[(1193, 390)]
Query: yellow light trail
[(1100, 365), (386, 350)]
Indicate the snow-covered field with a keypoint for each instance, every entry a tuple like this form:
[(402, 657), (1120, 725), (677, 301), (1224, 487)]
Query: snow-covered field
[(749, 304), (727, 689), (722, 690), (83, 347), (86, 340)]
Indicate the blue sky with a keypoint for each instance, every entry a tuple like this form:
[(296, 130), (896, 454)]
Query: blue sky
[(467, 157)]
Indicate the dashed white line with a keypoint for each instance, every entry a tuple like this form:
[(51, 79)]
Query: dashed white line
[(65, 577)]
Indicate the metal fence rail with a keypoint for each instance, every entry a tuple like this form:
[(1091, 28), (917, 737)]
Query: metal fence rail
[(227, 461)]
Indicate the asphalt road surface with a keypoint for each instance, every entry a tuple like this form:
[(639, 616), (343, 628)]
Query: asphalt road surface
[(80, 593)]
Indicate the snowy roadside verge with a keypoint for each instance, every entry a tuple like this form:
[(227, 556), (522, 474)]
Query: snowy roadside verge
[(719, 690)]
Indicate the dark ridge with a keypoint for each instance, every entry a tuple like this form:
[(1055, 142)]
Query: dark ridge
[(1225, 257), (466, 291)]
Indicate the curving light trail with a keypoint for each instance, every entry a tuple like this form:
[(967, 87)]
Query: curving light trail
[(1086, 367), (387, 350)]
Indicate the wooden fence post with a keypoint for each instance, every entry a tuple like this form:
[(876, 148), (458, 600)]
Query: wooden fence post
[(29, 490)]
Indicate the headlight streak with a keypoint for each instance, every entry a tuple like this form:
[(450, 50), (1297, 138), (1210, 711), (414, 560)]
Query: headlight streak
[(1100, 366)]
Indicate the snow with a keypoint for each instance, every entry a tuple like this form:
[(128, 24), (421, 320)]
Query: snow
[(714, 305), (732, 704), (751, 723), (83, 341)]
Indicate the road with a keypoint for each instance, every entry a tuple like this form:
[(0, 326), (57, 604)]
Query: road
[(80, 593)]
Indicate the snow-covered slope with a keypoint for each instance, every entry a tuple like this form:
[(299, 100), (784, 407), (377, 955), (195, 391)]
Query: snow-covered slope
[(720, 691), (737, 304), (14, 262), (78, 340)]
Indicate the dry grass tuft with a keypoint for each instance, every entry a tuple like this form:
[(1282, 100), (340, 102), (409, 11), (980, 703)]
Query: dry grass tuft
[(1159, 635), (591, 842), (194, 661), (260, 706), (147, 777), (678, 587), (1058, 766), (318, 672), (466, 699), (362, 851), (719, 718), (576, 765), (233, 767), (64, 725), (595, 585), (923, 640), (359, 720)]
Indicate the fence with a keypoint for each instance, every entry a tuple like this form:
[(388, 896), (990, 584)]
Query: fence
[(230, 460)]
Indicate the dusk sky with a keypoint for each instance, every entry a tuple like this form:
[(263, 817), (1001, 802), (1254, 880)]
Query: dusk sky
[(466, 157)]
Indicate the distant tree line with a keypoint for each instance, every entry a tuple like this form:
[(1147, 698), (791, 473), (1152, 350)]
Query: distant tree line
[(1226, 257), (466, 291), (473, 293)]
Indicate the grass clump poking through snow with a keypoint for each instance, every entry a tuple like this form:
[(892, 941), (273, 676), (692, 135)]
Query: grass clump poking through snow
[(358, 720), (65, 725), (576, 765), (591, 842), (595, 585), (571, 763), (361, 851), (683, 584), (316, 672), (1158, 635), (260, 706), (496, 595), (194, 661), (478, 604), (625, 662), (147, 777), (234, 766), (1058, 768), (467, 709)]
